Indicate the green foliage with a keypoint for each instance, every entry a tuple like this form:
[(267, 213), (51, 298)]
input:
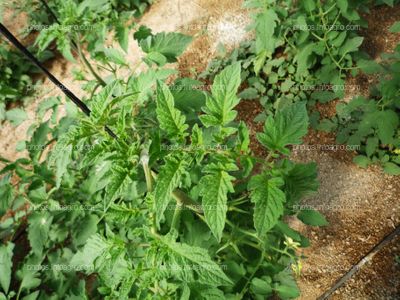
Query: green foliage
[(16, 83), (302, 51), (168, 209), (86, 22), (374, 123), (162, 48)]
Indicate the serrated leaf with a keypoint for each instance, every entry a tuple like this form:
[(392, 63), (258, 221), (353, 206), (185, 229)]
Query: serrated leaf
[(214, 189), (6, 254), (387, 125), (265, 27), (171, 120), (39, 226), (94, 248), (115, 56), (301, 181), (312, 217), (207, 270), (60, 157), (395, 28), (167, 181), (369, 66), (219, 107), (122, 34), (16, 116), (351, 45), (268, 199), (372, 146), (391, 168), (171, 45), (86, 228), (119, 177), (362, 161), (287, 127)]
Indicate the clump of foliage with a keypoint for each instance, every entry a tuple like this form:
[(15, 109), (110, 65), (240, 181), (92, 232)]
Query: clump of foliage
[(73, 23), (16, 73), (177, 206), (374, 123), (302, 51)]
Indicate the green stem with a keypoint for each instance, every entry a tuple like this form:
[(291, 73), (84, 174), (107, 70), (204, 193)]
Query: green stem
[(177, 216), (244, 290), (87, 64)]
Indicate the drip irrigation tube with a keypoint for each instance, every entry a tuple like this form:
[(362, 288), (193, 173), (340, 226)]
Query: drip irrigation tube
[(386, 240), (82, 106)]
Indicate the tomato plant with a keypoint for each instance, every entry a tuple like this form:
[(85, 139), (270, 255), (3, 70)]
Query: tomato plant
[(176, 206)]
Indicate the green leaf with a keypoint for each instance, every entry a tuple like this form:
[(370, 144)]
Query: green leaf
[(268, 199), (309, 5), (287, 127), (95, 247), (6, 253), (122, 34), (61, 156), (207, 270), (302, 59), (115, 56), (343, 5), (167, 181), (372, 146), (391, 168), (387, 125), (142, 33), (369, 66), (16, 116), (214, 189), (261, 287), (362, 161), (119, 179), (395, 28), (171, 45), (351, 45), (301, 181), (39, 226), (312, 217), (265, 27), (171, 119), (287, 288), (86, 228), (219, 107), (2, 111)]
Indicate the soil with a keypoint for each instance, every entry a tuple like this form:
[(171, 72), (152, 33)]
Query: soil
[(362, 205)]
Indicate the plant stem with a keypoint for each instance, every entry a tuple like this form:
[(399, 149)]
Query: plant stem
[(177, 216), (87, 63), (244, 290)]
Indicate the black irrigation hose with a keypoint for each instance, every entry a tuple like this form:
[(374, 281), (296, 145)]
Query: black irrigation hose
[(386, 240), (82, 106)]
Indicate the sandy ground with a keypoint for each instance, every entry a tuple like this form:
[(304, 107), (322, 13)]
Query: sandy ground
[(362, 206)]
